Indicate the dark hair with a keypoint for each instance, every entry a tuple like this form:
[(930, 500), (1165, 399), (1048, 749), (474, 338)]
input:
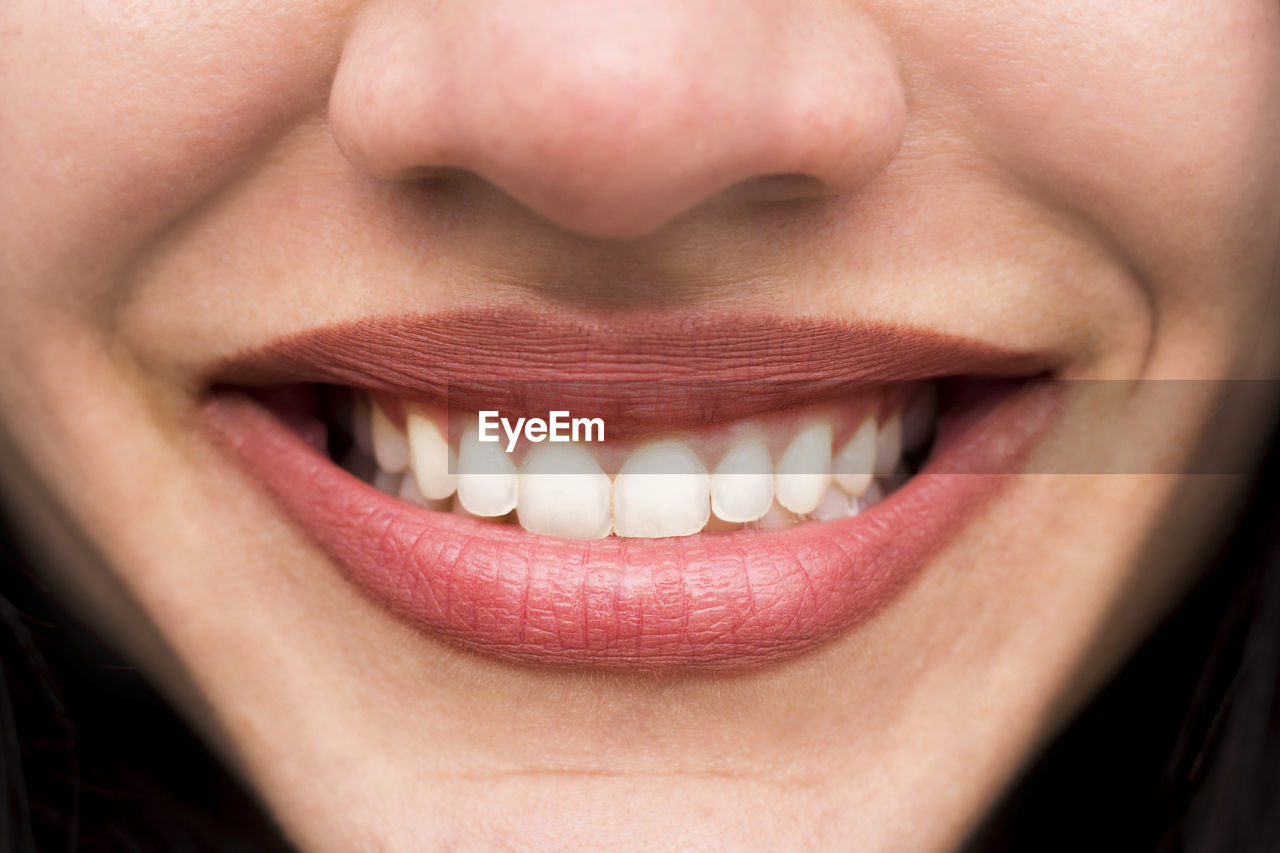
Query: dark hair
[(93, 759), (1181, 752)]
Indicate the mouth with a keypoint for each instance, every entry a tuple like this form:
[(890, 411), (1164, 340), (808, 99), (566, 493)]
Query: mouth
[(696, 495)]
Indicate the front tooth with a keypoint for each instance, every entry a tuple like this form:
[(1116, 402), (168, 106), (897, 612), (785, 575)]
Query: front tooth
[(563, 492), (853, 464), (804, 471), (888, 445), (390, 447), (662, 490), (433, 461), (742, 484), (487, 479)]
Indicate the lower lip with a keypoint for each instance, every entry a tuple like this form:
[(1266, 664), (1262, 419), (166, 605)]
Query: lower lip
[(709, 602)]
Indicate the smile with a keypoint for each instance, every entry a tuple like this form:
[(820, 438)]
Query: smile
[(765, 485)]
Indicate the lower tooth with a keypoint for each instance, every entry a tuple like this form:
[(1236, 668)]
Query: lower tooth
[(662, 490), (564, 493)]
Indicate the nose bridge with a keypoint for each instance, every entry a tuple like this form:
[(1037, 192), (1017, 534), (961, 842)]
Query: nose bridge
[(612, 117)]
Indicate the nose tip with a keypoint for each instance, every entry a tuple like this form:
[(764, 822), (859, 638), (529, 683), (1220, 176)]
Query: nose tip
[(611, 119)]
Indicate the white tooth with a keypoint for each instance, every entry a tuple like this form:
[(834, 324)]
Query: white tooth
[(455, 506), (385, 481), (390, 447), (563, 492), (742, 484), (852, 465), (835, 504), (918, 419), (872, 496), (888, 445), (433, 461), (662, 490), (410, 492), (487, 479), (804, 471)]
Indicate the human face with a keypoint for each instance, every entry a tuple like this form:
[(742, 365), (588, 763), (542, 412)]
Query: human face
[(1081, 190)]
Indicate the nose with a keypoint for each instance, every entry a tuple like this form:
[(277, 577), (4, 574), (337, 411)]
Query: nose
[(611, 118)]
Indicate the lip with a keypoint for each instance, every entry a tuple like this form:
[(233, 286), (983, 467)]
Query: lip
[(709, 602), (637, 373)]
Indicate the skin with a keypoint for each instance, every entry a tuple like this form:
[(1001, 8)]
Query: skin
[(1094, 181)]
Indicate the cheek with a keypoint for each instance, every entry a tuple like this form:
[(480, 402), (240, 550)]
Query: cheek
[(1150, 123), (141, 109)]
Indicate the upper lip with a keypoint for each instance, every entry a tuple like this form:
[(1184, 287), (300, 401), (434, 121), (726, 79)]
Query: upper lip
[(637, 372)]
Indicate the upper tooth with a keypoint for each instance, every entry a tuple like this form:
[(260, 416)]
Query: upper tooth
[(888, 445), (487, 478), (662, 490), (742, 484), (563, 492), (390, 447), (853, 464), (804, 471), (433, 461)]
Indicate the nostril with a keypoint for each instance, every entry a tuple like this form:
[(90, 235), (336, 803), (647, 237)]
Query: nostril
[(783, 186)]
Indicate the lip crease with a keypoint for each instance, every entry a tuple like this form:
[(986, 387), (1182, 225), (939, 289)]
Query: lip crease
[(708, 602)]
